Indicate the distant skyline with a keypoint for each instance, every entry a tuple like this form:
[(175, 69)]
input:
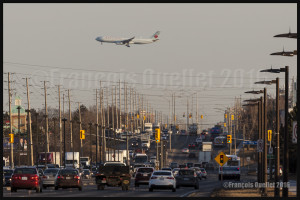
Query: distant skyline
[(216, 50)]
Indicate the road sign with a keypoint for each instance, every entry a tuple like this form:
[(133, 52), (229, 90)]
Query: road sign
[(221, 159), (250, 142), (138, 116), (248, 159), (269, 135), (294, 138), (82, 134), (260, 145), (229, 139)]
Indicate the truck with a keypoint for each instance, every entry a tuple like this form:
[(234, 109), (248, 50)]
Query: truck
[(231, 169), (69, 159), (85, 161), (49, 158), (148, 127), (113, 174), (193, 129), (204, 156), (140, 158), (145, 140), (119, 155)]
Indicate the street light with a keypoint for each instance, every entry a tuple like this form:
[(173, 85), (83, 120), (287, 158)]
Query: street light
[(285, 149), (91, 144)]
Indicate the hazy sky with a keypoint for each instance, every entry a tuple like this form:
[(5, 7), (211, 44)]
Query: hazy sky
[(215, 50)]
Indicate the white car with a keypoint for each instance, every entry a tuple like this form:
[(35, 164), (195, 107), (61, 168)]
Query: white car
[(162, 180), (185, 150)]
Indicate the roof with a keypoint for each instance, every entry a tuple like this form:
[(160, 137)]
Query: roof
[(14, 110)]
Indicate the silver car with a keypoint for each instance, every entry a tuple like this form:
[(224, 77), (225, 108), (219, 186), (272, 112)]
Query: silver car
[(49, 177)]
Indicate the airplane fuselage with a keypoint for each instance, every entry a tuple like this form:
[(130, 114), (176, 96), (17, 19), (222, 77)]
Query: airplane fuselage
[(119, 40)]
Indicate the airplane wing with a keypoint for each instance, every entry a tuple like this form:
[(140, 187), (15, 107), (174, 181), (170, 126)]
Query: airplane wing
[(127, 41)]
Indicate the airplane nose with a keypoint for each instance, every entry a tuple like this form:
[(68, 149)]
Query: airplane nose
[(98, 38)]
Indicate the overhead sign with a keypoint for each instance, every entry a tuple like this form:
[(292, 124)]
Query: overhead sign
[(294, 138), (206, 146), (260, 145), (221, 159), (269, 135), (250, 142)]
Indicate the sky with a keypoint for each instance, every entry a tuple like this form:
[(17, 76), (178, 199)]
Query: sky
[(213, 50)]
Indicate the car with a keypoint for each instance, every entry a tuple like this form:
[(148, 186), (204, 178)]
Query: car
[(187, 177), (131, 153), (175, 171), (134, 143), (209, 166), (198, 172), (153, 159), (167, 168), (68, 178), (26, 178), (190, 165), (162, 180), (198, 165), (174, 165), (7, 174), (41, 172), (49, 177), (86, 174), (182, 166), (143, 175), (204, 174), (273, 170), (94, 171), (185, 150), (199, 141), (183, 132), (192, 155), (192, 146)]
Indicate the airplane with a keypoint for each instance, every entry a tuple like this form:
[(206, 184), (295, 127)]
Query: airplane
[(127, 41), (288, 35), (285, 53)]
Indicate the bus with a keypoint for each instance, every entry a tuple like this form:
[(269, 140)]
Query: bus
[(220, 141), (231, 169)]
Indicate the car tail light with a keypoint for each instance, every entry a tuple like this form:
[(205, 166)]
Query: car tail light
[(77, 177), (153, 177), (44, 176), (104, 179), (170, 177), (59, 177), (35, 177), (16, 177), (238, 168)]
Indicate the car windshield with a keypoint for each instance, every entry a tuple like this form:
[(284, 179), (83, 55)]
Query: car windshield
[(86, 172), (145, 170), (68, 172), (8, 172), (51, 171), (186, 172), (141, 159), (25, 171), (162, 173)]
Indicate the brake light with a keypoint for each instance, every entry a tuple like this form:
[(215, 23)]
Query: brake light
[(238, 168), (104, 179), (153, 177), (77, 177), (16, 177), (44, 176), (59, 177), (170, 177), (35, 177)]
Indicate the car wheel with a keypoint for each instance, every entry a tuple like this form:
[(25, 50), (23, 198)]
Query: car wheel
[(38, 189), (56, 187), (173, 189), (151, 189)]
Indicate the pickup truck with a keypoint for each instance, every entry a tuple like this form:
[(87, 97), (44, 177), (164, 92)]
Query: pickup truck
[(113, 174)]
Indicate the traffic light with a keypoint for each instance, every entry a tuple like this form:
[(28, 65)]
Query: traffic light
[(144, 118), (229, 139), (157, 135), (224, 124), (269, 135), (201, 116), (82, 134), (221, 159), (226, 116), (11, 138), (232, 117), (138, 116)]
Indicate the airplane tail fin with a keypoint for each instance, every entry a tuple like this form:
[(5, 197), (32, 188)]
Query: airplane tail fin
[(155, 35)]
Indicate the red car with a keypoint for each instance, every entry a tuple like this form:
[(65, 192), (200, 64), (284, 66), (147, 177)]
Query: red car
[(143, 175), (26, 178)]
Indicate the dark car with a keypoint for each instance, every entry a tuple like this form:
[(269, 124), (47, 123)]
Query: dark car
[(187, 177), (134, 143), (182, 166), (143, 175), (167, 168), (192, 155), (190, 165), (198, 172), (7, 173), (174, 165), (26, 178), (68, 178)]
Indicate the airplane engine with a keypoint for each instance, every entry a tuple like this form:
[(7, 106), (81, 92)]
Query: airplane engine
[(119, 43)]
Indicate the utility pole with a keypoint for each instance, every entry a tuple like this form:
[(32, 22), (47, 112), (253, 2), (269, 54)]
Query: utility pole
[(116, 106), (11, 159), (285, 190), (112, 116), (197, 111), (80, 128), (54, 125), (46, 117), (90, 124), (103, 126), (60, 128), (29, 124), (37, 138), (70, 119), (97, 124), (277, 152), (107, 109), (187, 114), (265, 136), (19, 133), (127, 154)]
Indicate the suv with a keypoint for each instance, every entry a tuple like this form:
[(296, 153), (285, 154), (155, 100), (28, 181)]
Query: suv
[(26, 178), (187, 177), (143, 175), (190, 165), (68, 178)]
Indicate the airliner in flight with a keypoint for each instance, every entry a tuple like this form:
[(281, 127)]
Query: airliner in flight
[(127, 41)]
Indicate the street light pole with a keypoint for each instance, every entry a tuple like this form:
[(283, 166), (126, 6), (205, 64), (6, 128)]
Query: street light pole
[(91, 144), (265, 136), (64, 120), (285, 190), (277, 152)]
